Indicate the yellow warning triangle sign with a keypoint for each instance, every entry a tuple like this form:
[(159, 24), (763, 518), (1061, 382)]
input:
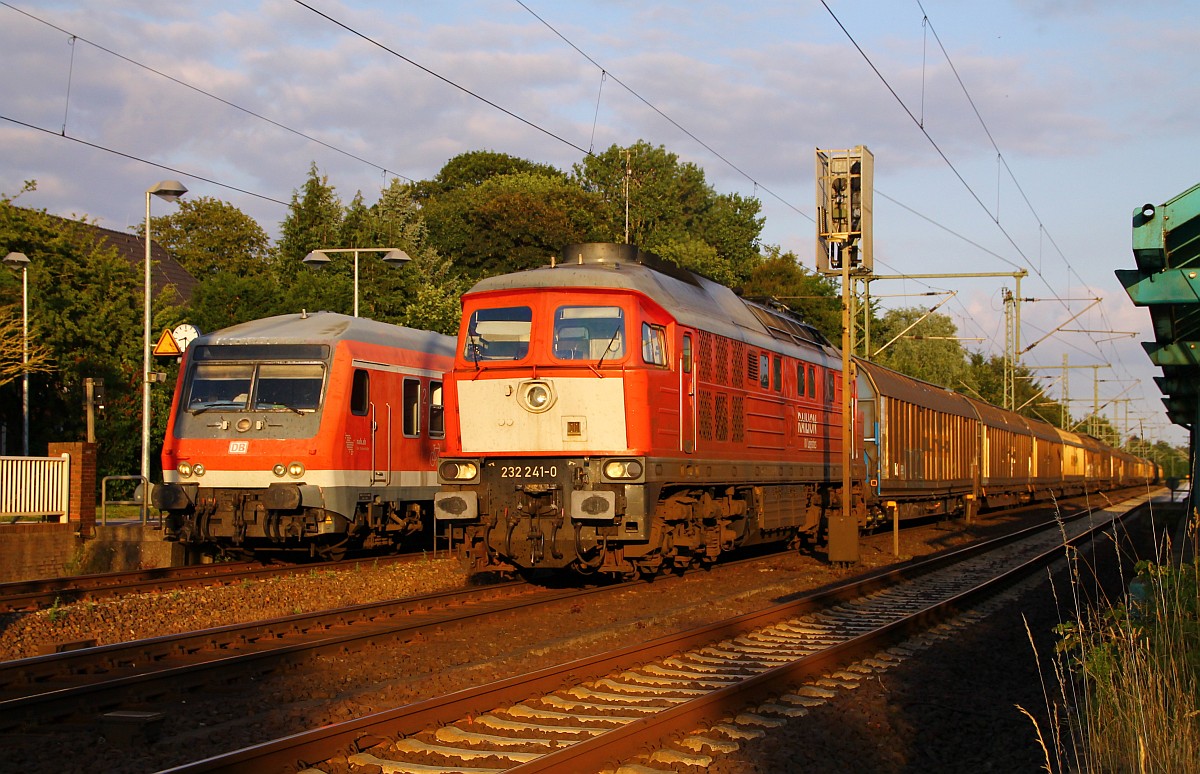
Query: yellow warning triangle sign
[(166, 346)]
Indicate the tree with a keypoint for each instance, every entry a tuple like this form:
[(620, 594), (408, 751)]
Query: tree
[(15, 361), (922, 348), (812, 297), (984, 379), (672, 210), (85, 303), (472, 169), (510, 222), (207, 236), (314, 220)]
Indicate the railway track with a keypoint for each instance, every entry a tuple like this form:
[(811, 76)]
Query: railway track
[(587, 714), (79, 683), (37, 594)]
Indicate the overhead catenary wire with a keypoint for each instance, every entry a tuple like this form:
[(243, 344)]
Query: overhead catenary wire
[(604, 73)]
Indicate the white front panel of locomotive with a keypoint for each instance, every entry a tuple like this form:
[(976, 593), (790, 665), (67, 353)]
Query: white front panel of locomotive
[(586, 414)]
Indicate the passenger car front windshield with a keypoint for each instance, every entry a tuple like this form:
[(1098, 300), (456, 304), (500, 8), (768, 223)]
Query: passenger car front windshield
[(294, 386), (498, 334), (589, 332), (255, 386)]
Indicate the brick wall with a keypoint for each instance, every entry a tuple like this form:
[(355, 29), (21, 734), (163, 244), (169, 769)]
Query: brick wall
[(83, 482), (33, 550)]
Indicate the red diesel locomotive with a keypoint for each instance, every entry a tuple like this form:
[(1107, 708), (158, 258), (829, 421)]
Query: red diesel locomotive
[(614, 413), (308, 434)]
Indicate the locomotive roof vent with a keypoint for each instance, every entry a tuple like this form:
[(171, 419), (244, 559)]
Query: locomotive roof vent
[(613, 254)]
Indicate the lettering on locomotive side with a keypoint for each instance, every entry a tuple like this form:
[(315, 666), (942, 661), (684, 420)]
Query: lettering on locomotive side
[(806, 423), (239, 447)]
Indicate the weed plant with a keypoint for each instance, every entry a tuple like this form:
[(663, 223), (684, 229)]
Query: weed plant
[(1129, 677)]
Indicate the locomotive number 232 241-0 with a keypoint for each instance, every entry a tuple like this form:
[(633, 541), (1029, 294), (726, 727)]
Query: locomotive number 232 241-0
[(528, 471)]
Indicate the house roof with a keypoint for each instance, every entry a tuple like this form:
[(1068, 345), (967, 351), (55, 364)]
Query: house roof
[(167, 276)]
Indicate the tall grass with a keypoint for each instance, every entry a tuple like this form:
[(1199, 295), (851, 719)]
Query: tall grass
[(1129, 678)]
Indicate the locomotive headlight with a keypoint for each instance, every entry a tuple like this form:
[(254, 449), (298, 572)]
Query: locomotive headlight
[(295, 470), (279, 470), (622, 469), (185, 469), (536, 396), (458, 470), (198, 470)]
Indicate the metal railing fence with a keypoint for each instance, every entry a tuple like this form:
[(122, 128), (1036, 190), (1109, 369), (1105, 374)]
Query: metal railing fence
[(35, 488)]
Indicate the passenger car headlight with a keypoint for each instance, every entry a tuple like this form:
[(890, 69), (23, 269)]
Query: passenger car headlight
[(459, 470)]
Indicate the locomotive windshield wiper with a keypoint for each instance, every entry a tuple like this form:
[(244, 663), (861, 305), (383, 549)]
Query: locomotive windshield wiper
[(608, 347), (474, 342)]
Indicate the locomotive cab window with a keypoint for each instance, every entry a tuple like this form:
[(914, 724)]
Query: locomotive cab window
[(654, 344), (589, 333), (764, 372), (437, 414), (498, 334)]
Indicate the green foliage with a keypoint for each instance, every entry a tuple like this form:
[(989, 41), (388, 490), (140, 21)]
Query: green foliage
[(1141, 672), (922, 348), (510, 222), (58, 613), (670, 209), (314, 220), (85, 306), (814, 298), (474, 168), (208, 236)]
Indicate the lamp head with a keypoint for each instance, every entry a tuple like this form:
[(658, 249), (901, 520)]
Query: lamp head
[(169, 190), (316, 258), (17, 259), (395, 257)]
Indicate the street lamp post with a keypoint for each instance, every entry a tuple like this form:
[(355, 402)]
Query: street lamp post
[(391, 255), (20, 259), (170, 190)]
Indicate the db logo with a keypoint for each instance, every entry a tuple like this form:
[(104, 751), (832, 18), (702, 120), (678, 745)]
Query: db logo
[(239, 447)]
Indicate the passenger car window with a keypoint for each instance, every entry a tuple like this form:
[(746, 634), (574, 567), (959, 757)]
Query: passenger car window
[(360, 393), (412, 407)]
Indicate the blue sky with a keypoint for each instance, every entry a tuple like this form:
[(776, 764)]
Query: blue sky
[(1087, 112)]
